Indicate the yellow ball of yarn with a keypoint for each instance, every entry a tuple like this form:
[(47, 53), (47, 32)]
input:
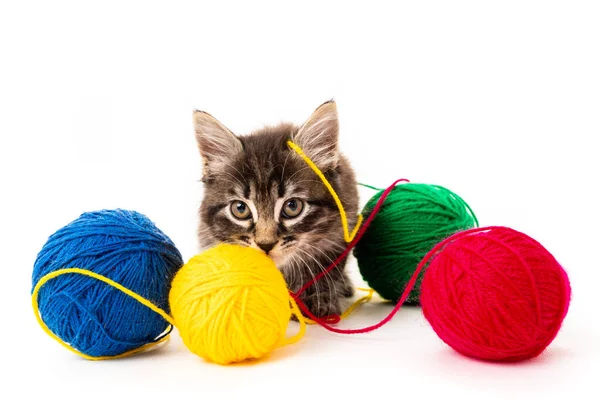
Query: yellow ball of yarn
[(230, 304)]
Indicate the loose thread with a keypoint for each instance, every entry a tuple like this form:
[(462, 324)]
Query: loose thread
[(353, 238), (347, 236), (357, 237), (335, 319), (163, 337), (295, 311), (369, 186), (324, 322), (407, 289)]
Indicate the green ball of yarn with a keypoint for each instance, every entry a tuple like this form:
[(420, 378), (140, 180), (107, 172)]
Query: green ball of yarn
[(412, 220)]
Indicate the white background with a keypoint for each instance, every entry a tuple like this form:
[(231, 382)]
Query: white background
[(498, 101)]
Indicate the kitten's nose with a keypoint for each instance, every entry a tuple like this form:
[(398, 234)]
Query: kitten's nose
[(266, 247)]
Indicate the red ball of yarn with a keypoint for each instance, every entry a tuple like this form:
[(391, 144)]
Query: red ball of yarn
[(495, 294)]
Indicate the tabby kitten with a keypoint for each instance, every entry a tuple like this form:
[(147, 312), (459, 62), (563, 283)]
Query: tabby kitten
[(260, 193)]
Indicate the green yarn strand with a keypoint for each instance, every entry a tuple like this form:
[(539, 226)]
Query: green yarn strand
[(412, 220), (369, 186)]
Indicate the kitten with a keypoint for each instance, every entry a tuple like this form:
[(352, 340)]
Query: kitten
[(260, 193)]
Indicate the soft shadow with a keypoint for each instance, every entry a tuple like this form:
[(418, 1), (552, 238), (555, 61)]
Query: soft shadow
[(272, 357), (553, 355)]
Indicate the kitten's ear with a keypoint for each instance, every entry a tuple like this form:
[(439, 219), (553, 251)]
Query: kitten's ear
[(216, 143), (318, 137)]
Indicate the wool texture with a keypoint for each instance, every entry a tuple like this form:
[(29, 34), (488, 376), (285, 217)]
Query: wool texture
[(495, 294), (230, 303), (413, 219), (92, 317)]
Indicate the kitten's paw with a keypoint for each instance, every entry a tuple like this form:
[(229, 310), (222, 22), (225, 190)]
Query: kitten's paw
[(348, 290)]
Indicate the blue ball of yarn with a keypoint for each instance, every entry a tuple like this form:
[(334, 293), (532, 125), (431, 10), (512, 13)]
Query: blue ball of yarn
[(89, 315)]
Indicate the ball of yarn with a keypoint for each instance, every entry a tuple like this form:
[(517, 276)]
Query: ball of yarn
[(230, 304), (413, 219), (90, 316), (496, 295)]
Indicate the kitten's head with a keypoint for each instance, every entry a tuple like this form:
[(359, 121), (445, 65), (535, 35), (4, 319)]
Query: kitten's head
[(258, 192)]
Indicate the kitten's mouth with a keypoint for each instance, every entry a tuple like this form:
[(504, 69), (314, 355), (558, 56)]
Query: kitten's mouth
[(276, 254), (280, 253)]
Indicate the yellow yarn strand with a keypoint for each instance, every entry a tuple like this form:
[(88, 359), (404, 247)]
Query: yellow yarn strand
[(165, 335), (358, 302), (110, 282), (347, 236), (296, 311)]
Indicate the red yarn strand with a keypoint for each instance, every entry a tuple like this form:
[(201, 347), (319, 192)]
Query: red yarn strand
[(353, 242), (409, 285)]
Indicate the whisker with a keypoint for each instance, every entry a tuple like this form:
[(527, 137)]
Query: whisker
[(239, 173), (284, 164), (237, 183), (297, 172), (317, 292), (294, 270), (234, 177), (330, 259), (308, 180), (331, 284)]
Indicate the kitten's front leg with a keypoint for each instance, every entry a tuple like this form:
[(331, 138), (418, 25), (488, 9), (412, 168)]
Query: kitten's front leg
[(322, 303), (326, 296)]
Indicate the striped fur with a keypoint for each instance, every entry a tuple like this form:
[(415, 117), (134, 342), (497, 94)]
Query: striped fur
[(259, 169)]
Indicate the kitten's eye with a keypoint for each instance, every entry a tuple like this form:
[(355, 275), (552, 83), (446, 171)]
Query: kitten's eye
[(292, 208), (240, 210)]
